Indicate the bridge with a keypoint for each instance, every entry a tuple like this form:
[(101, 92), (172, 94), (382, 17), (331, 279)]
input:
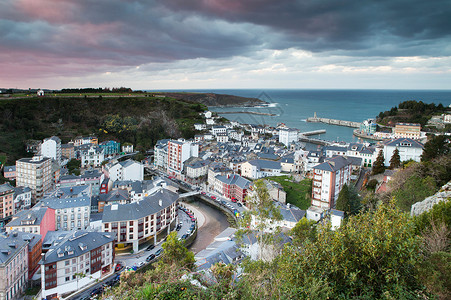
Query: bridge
[(189, 194)]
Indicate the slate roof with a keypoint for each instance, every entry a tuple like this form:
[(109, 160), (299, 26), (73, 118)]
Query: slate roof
[(76, 244), (265, 164), (234, 180), (36, 213), (6, 188), (136, 210), (10, 244), (337, 212), (333, 164), (291, 214), (404, 141), (115, 195), (21, 190), (9, 169)]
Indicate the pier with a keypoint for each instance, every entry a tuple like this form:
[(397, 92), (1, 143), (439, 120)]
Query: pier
[(247, 112), (314, 132), (315, 119)]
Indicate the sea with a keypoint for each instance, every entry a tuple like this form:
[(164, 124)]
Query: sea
[(294, 106)]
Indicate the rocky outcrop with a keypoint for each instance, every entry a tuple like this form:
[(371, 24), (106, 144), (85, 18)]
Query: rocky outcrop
[(211, 99), (443, 195)]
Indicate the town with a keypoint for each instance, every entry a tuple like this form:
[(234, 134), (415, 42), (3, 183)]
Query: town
[(82, 212)]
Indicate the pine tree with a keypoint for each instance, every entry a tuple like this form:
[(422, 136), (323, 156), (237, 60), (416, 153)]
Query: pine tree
[(378, 166), (395, 160), (435, 146)]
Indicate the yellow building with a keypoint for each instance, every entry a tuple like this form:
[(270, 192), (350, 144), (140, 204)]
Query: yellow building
[(407, 130)]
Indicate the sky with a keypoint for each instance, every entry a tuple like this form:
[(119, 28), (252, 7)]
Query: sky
[(226, 44)]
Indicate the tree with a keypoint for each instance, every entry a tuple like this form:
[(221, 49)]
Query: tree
[(413, 190), (395, 160), (176, 254), (379, 164), (262, 221), (304, 229), (348, 201), (436, 146)]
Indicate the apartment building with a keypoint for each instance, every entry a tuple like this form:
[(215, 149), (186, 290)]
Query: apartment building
[(9, 172), (75, 261), (328, 180), (13, 266), (22, 198), (178, 152), (37, 220), (259, 168), (68, 151), (407, 130), (161, 154), (51, 148), (124, 170), (288, 135), (232, 187), (138, 222), (93, 178), (72, 207), (6, 203), (35, 173), (408, 149)]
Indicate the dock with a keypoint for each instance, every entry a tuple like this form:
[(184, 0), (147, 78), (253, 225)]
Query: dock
[(314, 132), (352, 124)]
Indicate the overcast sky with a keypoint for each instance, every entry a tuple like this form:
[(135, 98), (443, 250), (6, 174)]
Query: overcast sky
[(194, 44)]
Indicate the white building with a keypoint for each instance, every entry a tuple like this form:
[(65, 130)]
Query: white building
[(329, 178), (215, 130), (124, 170), (22, 198), (161, 154), (222, 138), (178, 152), (92, 157), (78, 260), (408, 149), (288, 135), (35, 173), (260, 168), (72, 207), (200, 127), (51, 147)]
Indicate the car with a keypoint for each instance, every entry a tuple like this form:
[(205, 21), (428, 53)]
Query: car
[(193, 219), (178, 227), (239, 204), (118, 267), (140, 264), (159, 251), (203, 193), (151, 247), (184, 236), (150, 257), (96, 291), (192, 227), (234, 200), (213, 197)]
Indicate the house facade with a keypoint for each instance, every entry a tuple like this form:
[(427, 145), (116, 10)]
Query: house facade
[(408, 149), (6, 203), (37, 220), (259, 168), (35, 173)]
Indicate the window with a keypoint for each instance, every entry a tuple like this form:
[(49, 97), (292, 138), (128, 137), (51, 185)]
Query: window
[(67, 278)]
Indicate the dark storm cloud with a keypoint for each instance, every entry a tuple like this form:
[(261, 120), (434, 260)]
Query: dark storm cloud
[(103, 33)]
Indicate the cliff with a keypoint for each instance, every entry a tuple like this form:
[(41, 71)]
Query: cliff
[(211, 99)]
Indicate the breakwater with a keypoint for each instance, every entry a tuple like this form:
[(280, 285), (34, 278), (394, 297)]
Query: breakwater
[(247, 112), (315, 119)]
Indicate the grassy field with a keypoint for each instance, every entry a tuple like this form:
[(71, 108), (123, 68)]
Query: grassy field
[(298, 194)]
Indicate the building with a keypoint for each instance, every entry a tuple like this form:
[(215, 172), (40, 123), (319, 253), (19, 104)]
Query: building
[(127, 148), (196, 168), (161, 154), (215, 169), (22, 198), (328, 180), (93, 178), (408, 149), (68, 151), (113, 197), (13, 266), (259, 168), (9, 172), (368, 127), (80, 140), (178, 152), (110, 148), (124, 170), (51, 148), (35, 173), (222, 138), (288, 135), (37, 220), (275, 191), (232, 187), (75, 261), (92, 157), (6, 203), (215, 130), (407, 130), (72, 207), (138, 222)]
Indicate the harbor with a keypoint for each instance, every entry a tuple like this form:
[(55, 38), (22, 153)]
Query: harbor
[(352, 124)]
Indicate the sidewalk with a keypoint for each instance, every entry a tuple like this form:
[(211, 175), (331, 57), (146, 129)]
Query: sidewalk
[(197, 213)]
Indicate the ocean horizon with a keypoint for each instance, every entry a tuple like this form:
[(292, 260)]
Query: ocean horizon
[(294, 106)]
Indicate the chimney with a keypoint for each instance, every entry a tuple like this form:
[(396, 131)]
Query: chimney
[(160, 202)]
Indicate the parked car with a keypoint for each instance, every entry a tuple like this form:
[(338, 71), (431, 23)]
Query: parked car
[(178, 227), (140, 264), (192, 227), (150, 257), (159, 251), (234, 200), (193, 219), (213, 197), (203, 193), (151, 247), (239, 204), (118, 267), (96, 291)]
